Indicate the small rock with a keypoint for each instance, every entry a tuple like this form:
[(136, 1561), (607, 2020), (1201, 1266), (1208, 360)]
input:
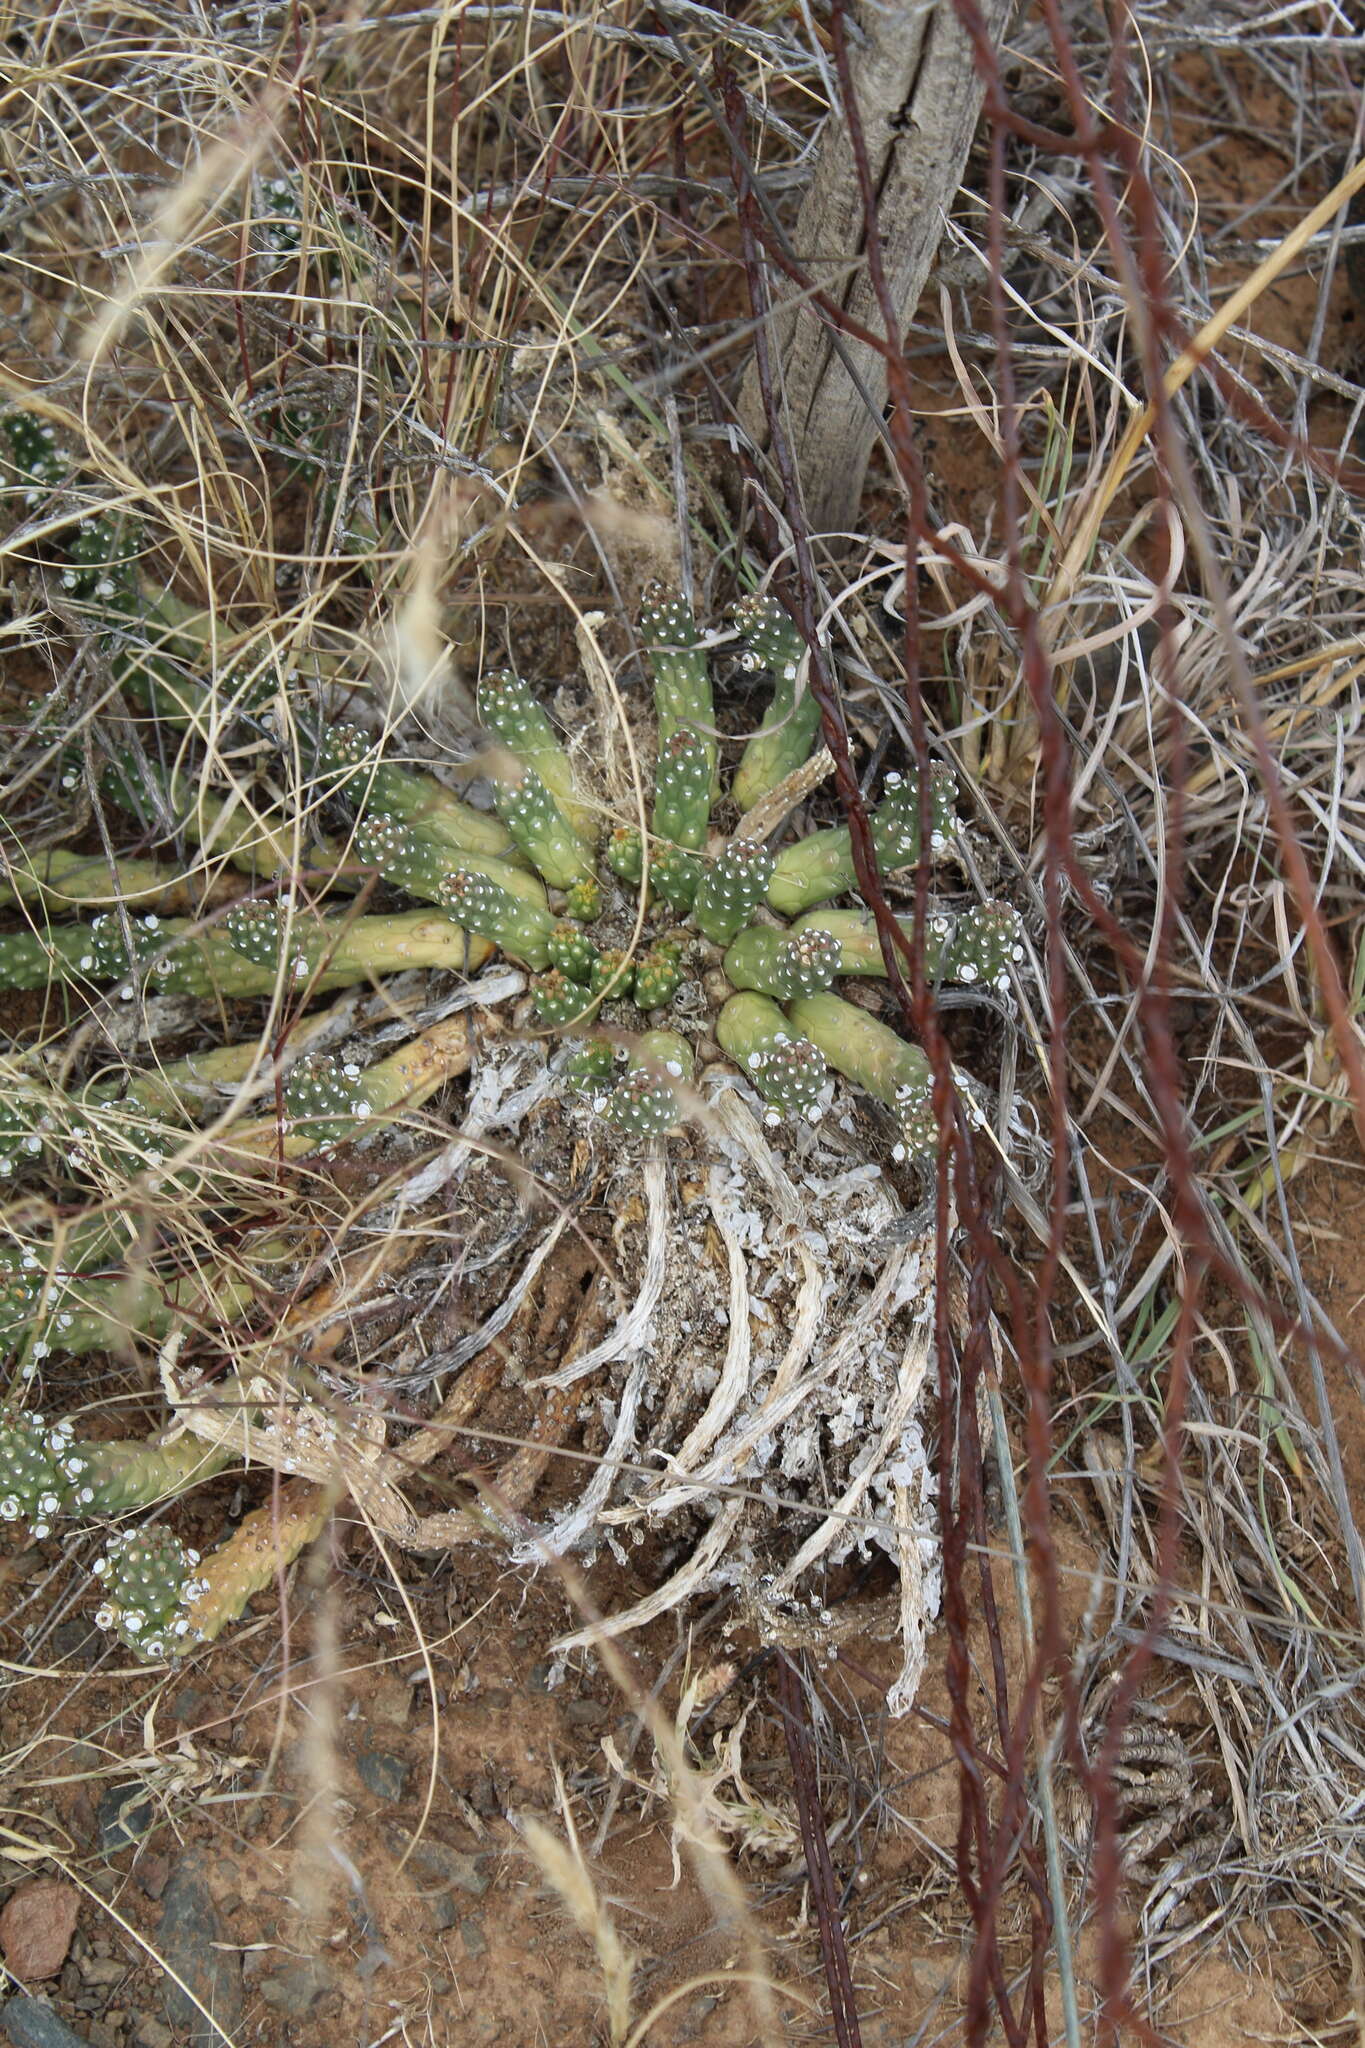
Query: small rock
[(190, 1927), (75, 1642), (70, 1981), (484, 1795), (473, 1937), (103, 1970), (151, 1872), (438, 1859), (36, 1928), (390, 1700), (189, 1706), (296, 1987), (151, 2033), (102, 2035), (587, 1713), (498, 1698), (28, 2023), (539, 1680), (124, 1816), (697, 2015), (443, 1912), (383, 1775)]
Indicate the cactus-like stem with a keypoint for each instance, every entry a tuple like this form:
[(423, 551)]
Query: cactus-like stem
[(101, 566), (573, 952), (788, 1071), (385, 842), (265, 1544), (354, 770), (583, 900), (523, 930), (561, 1002), (32, 455), (325, 1100), (782, 964), (140, 637), (977, 945), (74, 1312), (589, 1064), (49, 1471), (821, 865), (60, 881), (787, 734), (675, 877), (682, 788), (677, 662), (328, 1100), (149, 1583), (72, 1315), (542, 831), (731, 889), (32, 1488), (423, 867), (612, 977), (513, 716), (876, 1058), (658, 975), (182, 960), (648, 1101), (222, 826), (26, 1114), (183, 1091), (625, 854)]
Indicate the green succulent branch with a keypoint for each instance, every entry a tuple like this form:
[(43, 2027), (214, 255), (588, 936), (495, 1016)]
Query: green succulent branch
[(352, 766), (784, 740), (682, 678), (783, 964), (541, 830), (61, 881), (788, 1070), (876, 1058), (149, 1584), (47, 1472), (246, 958), (46, 1310), (977, 945), (649, 1100), (821, 865), (731, 889), (512, 714)]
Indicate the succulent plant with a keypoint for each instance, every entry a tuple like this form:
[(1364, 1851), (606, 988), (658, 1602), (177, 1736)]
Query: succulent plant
[(181, 957), (149, 1584), (646, 948), (649, 1101), (492, 872), (788, 1070), (791, 721), (47, 1472)]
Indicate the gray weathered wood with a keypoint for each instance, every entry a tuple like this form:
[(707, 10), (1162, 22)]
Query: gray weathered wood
[(919, 96)]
